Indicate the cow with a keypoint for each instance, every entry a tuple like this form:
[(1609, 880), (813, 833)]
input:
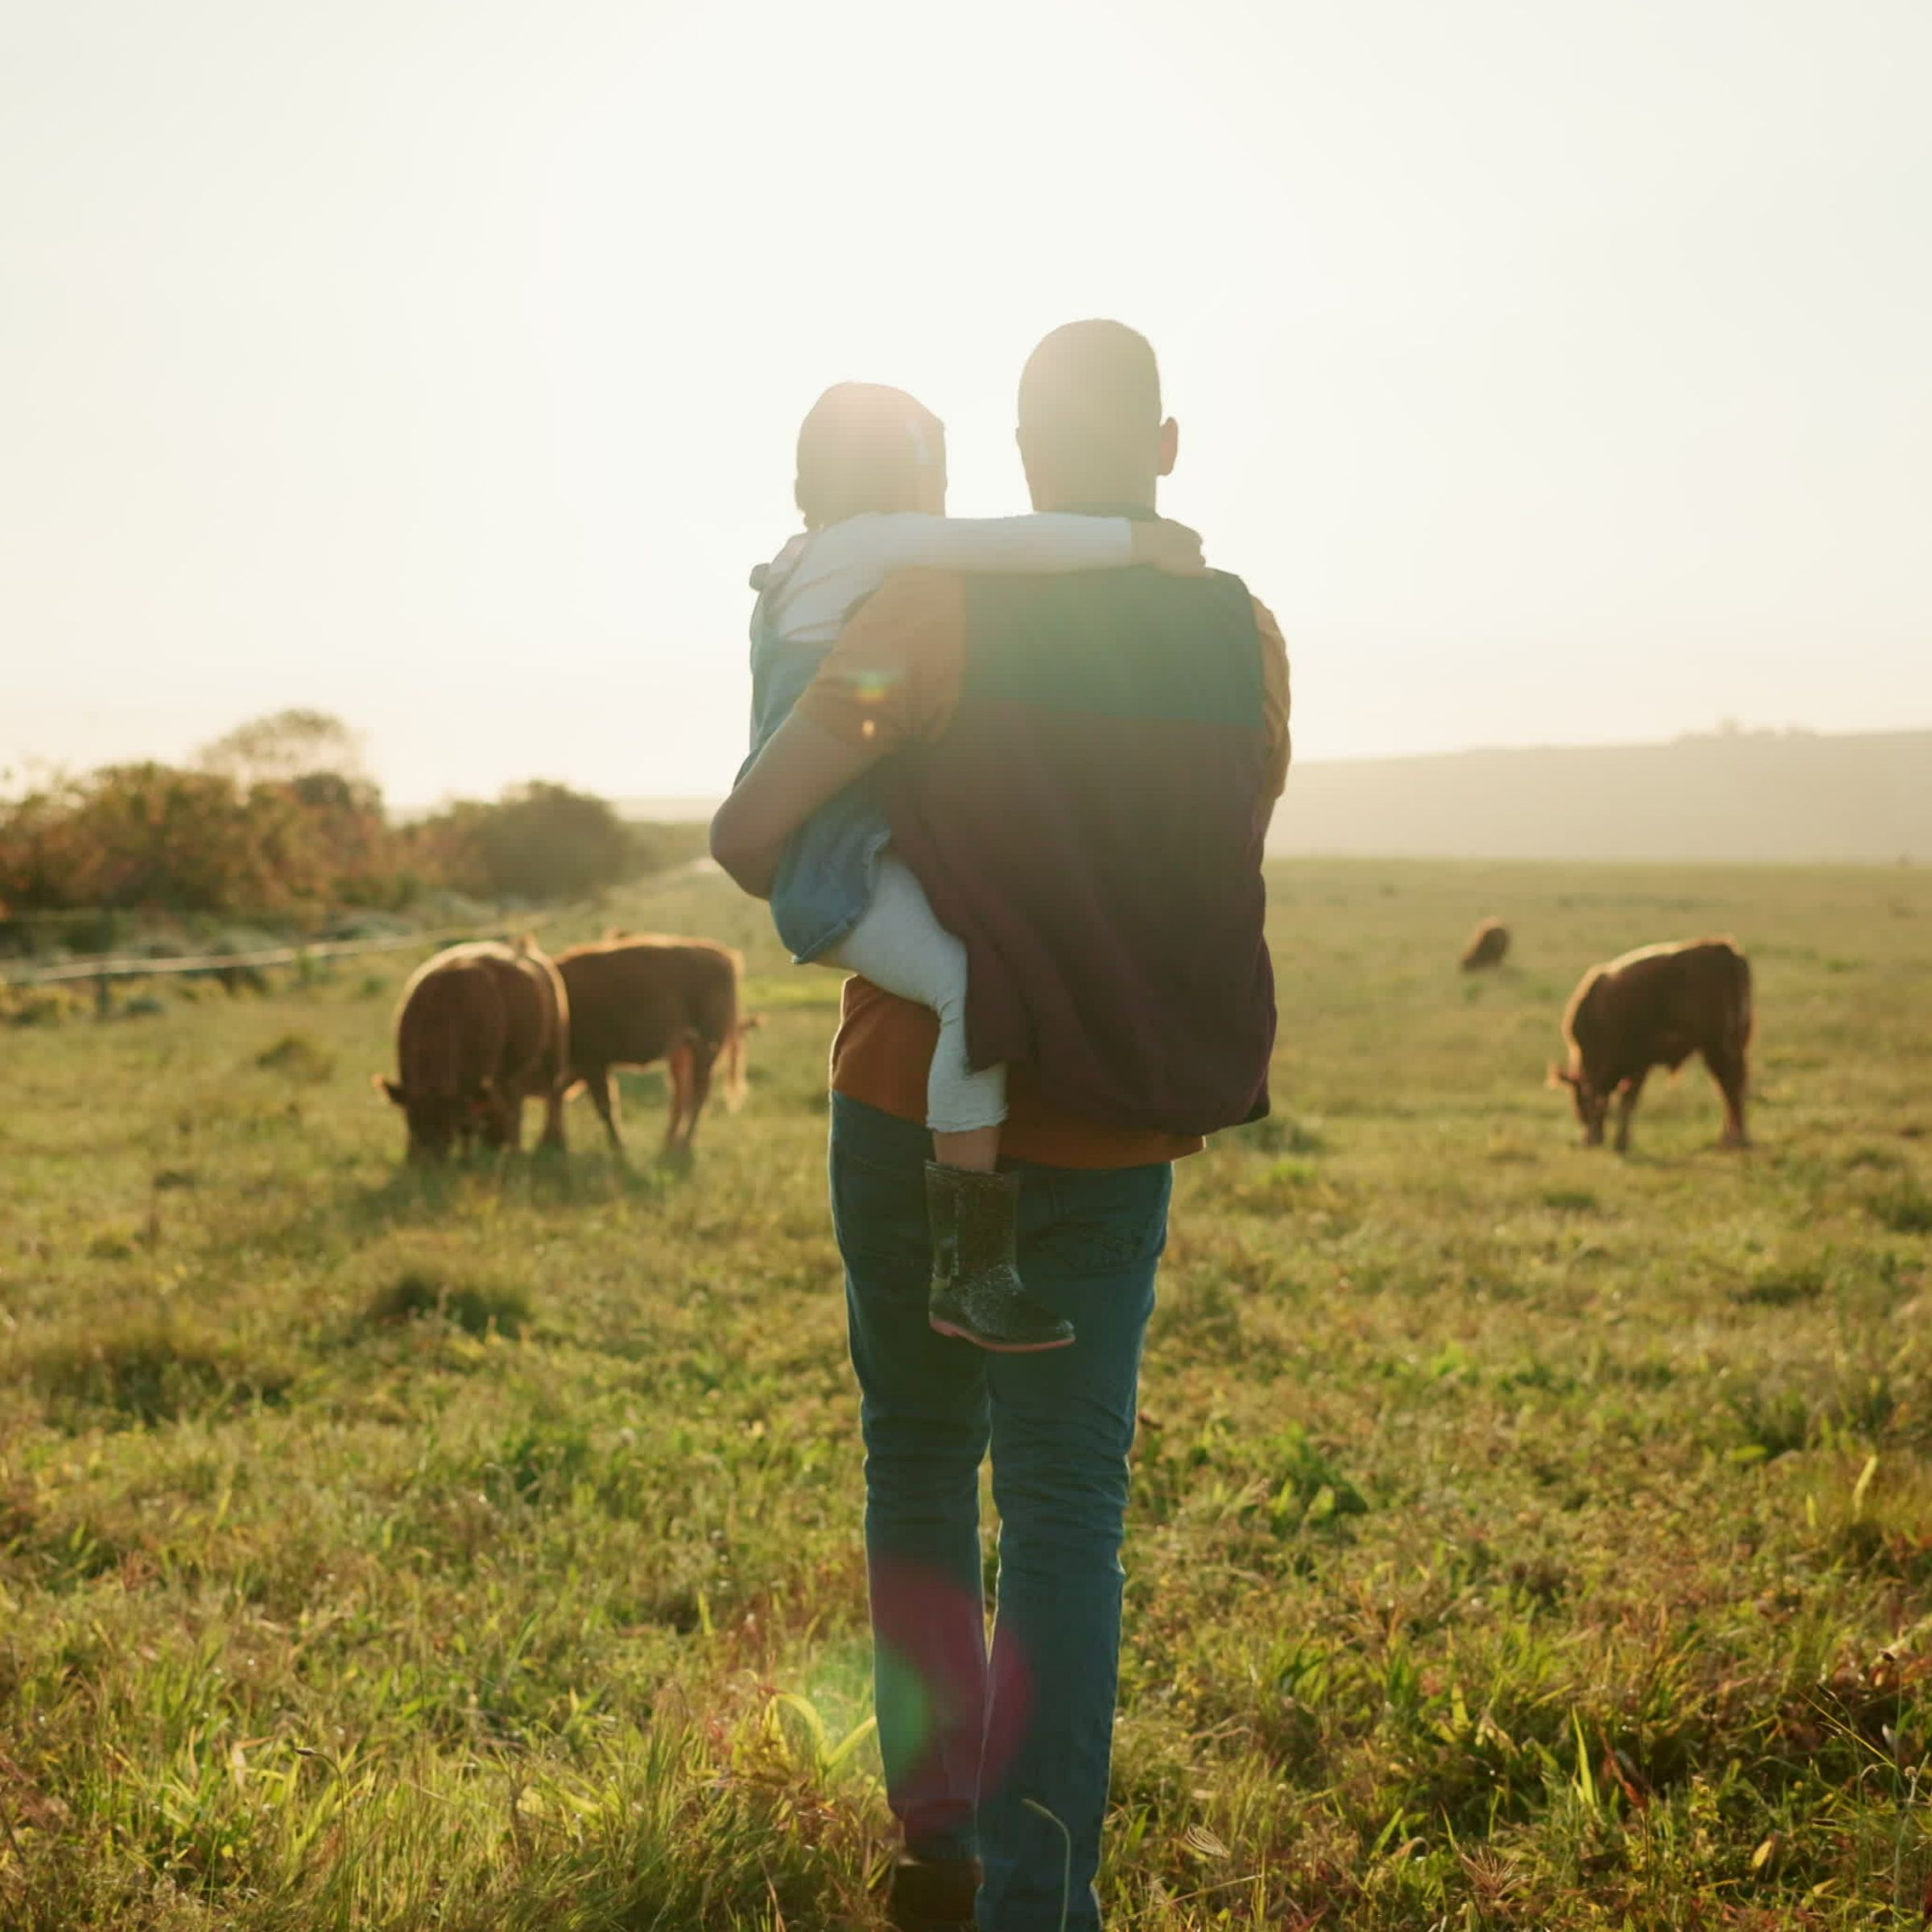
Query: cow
[(1656, 1007), (637, 998), (480, 1028), (1488, 946)]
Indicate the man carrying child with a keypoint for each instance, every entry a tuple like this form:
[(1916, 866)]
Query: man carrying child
[(1079, 770)]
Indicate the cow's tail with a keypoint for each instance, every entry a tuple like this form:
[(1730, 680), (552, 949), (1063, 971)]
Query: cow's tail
[(1744, 1015), (733, 1057), (737, 1026)]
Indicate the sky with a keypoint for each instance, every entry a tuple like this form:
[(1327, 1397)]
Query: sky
[(1556, 372)]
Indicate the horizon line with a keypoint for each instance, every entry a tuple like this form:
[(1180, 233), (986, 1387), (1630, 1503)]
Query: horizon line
[(1742, 734)]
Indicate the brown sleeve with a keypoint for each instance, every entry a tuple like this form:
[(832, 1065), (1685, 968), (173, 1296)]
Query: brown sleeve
[(1274, 696), (894, 676)]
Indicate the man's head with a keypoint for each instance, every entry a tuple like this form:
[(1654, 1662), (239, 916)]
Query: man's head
[(865, 447), (1090, 428)]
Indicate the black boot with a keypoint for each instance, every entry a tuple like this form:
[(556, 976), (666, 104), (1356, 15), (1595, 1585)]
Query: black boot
[(976, 1291), (931, 1894)]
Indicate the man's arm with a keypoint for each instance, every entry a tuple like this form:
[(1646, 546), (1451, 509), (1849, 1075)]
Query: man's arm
[(891, 678), (1044, 543), (1275, 700), (802, 766)]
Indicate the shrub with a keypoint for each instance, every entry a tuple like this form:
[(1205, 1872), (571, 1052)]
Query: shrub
[(1906, 1208), (298, 1057), (39, 1005), (256, 825), (152, 836), (546, 841), (476, 1310)]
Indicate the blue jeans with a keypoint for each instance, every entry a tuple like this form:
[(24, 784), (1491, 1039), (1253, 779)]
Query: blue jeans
[(973, 1743)]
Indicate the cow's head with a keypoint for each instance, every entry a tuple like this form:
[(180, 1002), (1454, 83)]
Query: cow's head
[(1591, 1075), (436, 1121), (1591, 1099)]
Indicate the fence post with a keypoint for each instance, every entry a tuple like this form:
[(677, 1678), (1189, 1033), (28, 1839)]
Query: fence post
[(104, 1003)]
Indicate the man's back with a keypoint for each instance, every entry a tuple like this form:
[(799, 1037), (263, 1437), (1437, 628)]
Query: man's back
[(1096, 760)]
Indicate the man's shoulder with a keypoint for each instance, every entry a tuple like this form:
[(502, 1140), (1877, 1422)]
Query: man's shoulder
[(1267, 628), (1264, 620), (923, 582), (922, 601), (917, 595), (1231, 589), (897, 662)]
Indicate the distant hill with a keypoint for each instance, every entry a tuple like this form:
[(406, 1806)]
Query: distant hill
[(1791, 796)]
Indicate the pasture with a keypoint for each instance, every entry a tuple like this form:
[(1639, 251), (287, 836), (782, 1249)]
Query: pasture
[(1521, 1537)]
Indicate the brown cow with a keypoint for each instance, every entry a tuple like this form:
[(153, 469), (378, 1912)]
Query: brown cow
[(480, 1029), (639, 997), (1655, 1008), (1488, 946)]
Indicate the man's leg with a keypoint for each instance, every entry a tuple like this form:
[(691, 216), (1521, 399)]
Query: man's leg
[(1063, 1424), (924, 1414)]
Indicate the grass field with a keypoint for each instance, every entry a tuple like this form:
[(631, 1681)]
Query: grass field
[(1521, 1537)]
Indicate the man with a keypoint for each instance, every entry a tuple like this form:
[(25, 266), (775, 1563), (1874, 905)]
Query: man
[(1084, 769)]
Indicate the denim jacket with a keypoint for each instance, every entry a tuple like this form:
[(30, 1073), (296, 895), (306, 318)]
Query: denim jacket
[(831, 867)]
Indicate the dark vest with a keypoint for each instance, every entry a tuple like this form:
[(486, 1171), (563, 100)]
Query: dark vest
[(1090, 824)]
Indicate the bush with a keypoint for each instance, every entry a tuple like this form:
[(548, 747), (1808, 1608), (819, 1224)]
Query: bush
[(39, 1005), (257, 826), (1906, 1208), (152, 836), (299, 1057), (546, 841)]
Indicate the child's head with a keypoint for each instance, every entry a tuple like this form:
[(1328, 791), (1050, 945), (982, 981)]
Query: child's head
[(865, 447)]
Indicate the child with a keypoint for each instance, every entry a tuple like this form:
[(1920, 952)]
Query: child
[(872, 487)]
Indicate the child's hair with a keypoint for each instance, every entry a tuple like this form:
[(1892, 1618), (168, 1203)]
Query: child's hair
[(865, 447)]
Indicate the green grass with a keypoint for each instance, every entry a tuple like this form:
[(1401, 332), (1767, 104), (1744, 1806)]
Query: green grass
[(1521, 1537)]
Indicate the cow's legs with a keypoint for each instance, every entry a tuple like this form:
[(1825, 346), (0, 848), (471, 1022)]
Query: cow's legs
[(603, 1094), (553, 1118), (1728, 1070), (677, 1067), (703, 1057), (1626, 1106)]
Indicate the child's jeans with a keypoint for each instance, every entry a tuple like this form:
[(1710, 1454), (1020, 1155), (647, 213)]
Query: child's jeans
[(903, 949)]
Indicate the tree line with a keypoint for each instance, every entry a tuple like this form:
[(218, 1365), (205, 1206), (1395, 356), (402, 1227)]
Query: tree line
[(281, 816)]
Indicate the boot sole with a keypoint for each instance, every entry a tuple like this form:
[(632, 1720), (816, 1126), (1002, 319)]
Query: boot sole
[(979, 1341)]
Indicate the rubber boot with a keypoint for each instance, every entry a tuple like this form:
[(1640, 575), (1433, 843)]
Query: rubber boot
[(931, 1895), (976, 1291)]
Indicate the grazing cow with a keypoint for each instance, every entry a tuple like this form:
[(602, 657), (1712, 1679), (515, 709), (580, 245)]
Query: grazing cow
[(480, 1029), (1655, 1008), (1488, 946), (636, 998)]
